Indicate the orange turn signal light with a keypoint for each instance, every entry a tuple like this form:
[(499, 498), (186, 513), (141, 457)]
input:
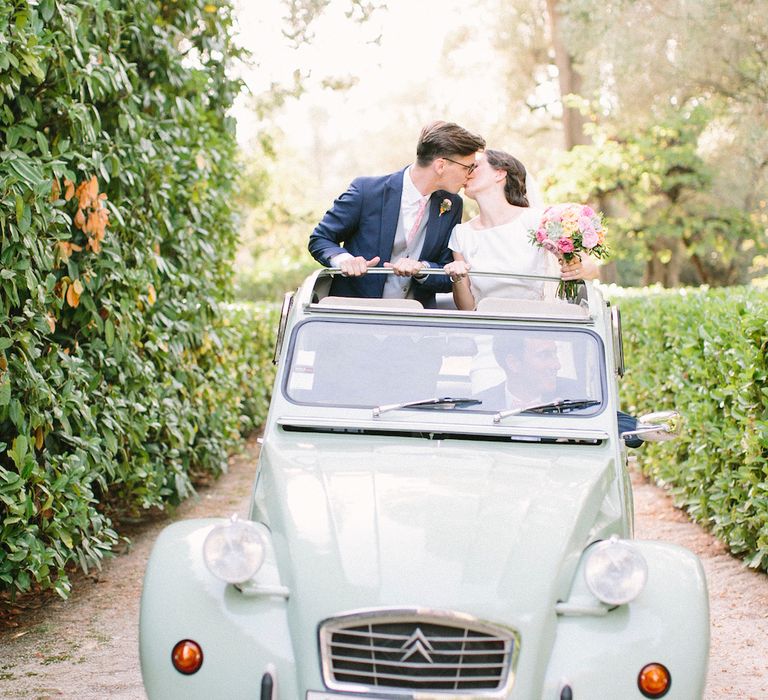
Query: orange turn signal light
[(187, 657), (654, 680)]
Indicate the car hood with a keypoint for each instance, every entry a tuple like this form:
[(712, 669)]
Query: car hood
[(364, 522)]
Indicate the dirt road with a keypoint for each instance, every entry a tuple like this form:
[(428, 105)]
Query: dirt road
[(86, 647)]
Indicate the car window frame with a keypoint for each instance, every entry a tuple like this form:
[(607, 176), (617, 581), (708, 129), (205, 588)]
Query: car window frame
[(444, 323)]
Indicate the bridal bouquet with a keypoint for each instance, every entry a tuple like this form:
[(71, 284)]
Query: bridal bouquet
[(568, 231)]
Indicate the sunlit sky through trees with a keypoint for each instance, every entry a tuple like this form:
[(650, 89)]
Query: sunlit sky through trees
[(411, 39), (412, 62)]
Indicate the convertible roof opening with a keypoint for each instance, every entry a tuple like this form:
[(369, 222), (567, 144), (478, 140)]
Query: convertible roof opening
[(554, 309)]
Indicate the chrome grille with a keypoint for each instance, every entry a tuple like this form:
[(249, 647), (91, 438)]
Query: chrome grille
[(425, 653)]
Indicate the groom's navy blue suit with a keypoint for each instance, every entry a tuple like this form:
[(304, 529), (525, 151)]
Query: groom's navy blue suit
[(364, 221)]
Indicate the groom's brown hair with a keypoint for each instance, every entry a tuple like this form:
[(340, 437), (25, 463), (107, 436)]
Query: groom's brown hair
[(440, 139)]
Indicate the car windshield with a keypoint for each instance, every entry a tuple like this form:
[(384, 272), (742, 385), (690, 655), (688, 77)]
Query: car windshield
[(363, 364)]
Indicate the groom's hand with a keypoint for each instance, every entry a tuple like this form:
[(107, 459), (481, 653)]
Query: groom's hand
[(406, 267), (357, 267)]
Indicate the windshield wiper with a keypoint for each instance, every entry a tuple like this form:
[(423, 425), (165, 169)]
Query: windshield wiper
[(446, 402), (558, 406)]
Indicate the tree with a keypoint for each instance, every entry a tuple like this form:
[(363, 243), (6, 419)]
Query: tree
[(669, 215), (640, 64), (569, 79)]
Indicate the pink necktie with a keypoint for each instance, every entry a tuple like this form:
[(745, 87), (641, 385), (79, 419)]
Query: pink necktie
[(419, 216)]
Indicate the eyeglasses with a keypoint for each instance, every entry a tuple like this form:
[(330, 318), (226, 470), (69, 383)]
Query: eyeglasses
[(469, 168)]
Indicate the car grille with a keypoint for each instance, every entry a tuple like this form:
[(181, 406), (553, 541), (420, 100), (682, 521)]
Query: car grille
[(424, 653)]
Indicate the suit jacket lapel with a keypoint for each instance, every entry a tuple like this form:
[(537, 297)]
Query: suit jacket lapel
[(434, 225), (390, 212)]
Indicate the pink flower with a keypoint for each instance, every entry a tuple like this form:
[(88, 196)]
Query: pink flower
[(554, 212), (590, 239), (551, 247), (569, 229)]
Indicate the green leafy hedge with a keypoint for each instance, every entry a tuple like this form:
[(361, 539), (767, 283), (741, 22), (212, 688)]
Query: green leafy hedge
[(706, 354), (121, 381)]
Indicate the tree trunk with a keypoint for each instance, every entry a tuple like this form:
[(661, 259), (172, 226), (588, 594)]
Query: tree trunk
[(569, 80), (701, 271), (667, 274), (573, 120), (608, 272)]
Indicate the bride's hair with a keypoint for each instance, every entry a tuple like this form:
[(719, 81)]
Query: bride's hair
[(514, 187)]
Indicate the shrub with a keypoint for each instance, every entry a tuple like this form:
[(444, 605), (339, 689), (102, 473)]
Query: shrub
[(705, 352), (119, 375), (245, 360)]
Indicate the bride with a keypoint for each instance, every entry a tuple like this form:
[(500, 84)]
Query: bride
[(496, 240)]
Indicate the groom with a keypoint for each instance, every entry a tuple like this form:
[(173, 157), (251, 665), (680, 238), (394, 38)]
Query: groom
[(402, 220)]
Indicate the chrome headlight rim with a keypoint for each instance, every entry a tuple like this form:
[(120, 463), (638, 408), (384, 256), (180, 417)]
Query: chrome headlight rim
[(234, 551), (615, 571)]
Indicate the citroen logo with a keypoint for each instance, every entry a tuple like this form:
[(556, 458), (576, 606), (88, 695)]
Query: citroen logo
[(417, 643)]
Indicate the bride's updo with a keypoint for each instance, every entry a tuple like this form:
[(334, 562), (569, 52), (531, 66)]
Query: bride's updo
[(514, 187)]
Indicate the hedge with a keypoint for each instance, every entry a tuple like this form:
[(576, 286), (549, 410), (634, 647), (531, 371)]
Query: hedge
[(705, 353), (121, 376)]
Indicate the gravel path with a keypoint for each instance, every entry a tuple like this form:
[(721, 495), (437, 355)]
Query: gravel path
[(738, 597), (86, 648)]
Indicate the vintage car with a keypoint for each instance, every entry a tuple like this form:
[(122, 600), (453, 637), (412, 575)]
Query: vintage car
[(441, 509)]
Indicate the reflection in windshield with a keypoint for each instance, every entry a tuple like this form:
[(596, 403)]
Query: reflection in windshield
[(337, 363)]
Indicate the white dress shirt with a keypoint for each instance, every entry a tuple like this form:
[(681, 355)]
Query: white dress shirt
[(410, 200), (400, 287)]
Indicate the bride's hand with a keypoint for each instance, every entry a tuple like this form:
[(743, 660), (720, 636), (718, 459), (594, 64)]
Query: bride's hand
[(579, 269), (456, 270)]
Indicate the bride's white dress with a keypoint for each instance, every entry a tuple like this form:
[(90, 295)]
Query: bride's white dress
[(506, 248)]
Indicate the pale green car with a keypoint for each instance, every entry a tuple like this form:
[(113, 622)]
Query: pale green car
[(441, 509)]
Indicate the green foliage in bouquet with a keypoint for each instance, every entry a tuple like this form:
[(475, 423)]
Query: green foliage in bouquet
[(121, 379)]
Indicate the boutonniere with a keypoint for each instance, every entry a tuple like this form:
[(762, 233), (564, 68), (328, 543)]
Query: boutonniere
[(445, 206)]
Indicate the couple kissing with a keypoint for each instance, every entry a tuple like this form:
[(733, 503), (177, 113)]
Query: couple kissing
[(411, 220)]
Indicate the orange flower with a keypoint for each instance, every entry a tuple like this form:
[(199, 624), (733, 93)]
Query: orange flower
[(74, 291), (87, 192), (65, 249), (92, 216)]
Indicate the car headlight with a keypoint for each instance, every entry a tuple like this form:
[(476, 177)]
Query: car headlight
[(615, 571), (234, 551)]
